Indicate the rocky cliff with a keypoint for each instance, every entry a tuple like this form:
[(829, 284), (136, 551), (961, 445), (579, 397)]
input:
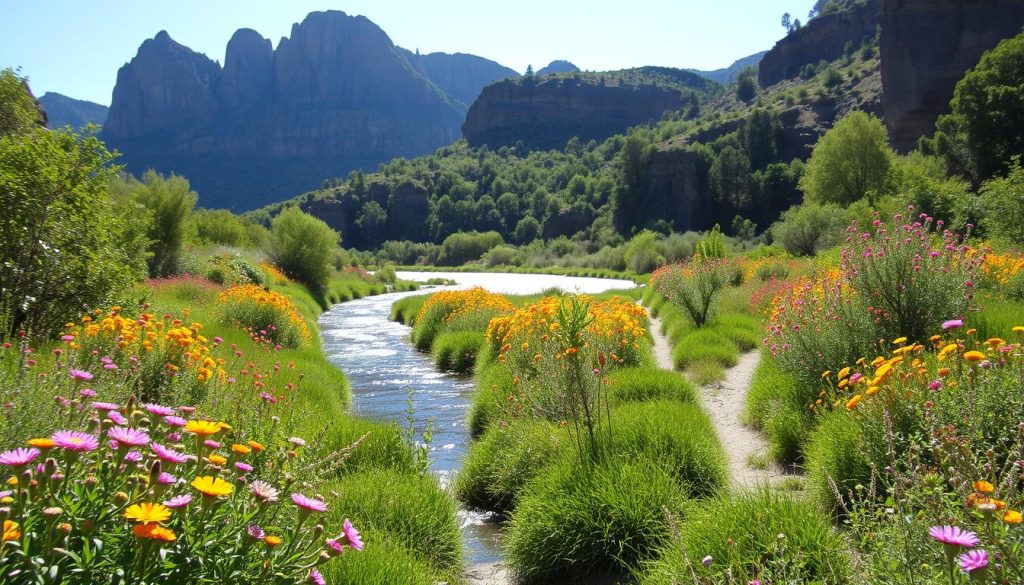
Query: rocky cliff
[(461, 76), (65, 111), (335, 95), (926, 47), (824, 37), (545, 112)]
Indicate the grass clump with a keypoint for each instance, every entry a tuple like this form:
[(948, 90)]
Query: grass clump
[(457, 351), (704, 344), (381, 562), (764, 535), (493, 383), (645, 384), (835, 461), (705, 371), (504, 459), (409, 510)]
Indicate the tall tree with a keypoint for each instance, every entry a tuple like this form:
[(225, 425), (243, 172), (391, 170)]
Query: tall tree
[(634, 163), (850, 162)]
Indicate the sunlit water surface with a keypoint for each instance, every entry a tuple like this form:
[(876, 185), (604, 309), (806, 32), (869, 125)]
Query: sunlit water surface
[(385, 370)]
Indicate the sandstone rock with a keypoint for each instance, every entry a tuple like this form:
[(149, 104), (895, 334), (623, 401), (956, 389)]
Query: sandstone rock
[(926, 48)]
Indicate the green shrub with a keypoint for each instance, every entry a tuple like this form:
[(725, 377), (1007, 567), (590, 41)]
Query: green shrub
[(705, 371), (457, 351), (586, 521), (408, 509), (383, 445), (696, 287), (806, 229), (462, 247), (303, 246), (835, 461), (380, 562), (766, 387), (678, 437), (764, 535), (743, 330), (504, 459), (217, 226), (493, 383), (169, 202), (704, 344), (646, 384)]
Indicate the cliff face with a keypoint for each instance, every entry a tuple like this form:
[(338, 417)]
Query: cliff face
[(824, 37), (461, 76), (926, 48), (547, 112), (65, 111), (335, 95)]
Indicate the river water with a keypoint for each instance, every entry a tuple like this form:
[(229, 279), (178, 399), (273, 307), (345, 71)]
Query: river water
[(385, 371)]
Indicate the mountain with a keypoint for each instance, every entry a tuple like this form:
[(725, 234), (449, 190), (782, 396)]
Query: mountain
[(65, 111), (334, 96), (461, 76), (558, 66), (545, 112), (728, 75)]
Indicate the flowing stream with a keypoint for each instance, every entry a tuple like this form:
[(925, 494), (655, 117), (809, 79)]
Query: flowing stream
[(386, 371)]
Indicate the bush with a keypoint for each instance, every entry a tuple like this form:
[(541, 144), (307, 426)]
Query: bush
[(577, 521), (302, 246), (218, 226), (695, 287), (456, 310), (462, 247), (835, 463), (763, 535), (405, 509), (493, 386), (457, 351), (849, 162), (504, 459), (806, 229), (66, 248), (703, 344), (268, 316), (169, 202), (646, 384)]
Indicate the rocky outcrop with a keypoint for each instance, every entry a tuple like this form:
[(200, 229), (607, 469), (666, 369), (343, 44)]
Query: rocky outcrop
[(727, 75), (558, 66), (926, 48), (546, 112), (824, 37), (65, 111), (334, 96), (460, 75), (678, 189)]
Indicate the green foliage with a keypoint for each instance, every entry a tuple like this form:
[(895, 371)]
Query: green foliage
[(18, 113), (218, 226), (1003, 205), (501, 462), (704, 344), (66, 248), (835, 461), (459, 248), (807, 229), (494, 385), (646, 384), (922, 181), (730, 178), (380, 562), (850, 162), (746, 85), (169, 201), (764, 535), (641, 254), (712, 245), (456, 351), (696, 287), (633, 166), (302, 246)]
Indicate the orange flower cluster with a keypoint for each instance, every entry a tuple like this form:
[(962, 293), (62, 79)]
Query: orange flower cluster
[(452, 304), (250, 293), (1000, 269), (275, 274), (182, 345)]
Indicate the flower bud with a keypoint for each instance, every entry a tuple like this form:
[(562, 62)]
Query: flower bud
[(154, 472), (64, 528), (53, 512), (120, 498), (50, 467), (87, 526), (318, 530), (324, 557), (91, 480), (706, 561)]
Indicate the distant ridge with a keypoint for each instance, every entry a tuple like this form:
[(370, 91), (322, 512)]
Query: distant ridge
[(728, 75), (66, 111)]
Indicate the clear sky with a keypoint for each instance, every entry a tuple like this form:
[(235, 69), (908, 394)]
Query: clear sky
[(75, 47)]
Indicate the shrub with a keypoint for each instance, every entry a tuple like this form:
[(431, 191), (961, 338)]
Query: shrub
[(646, 384), (806, 229), (218, 226), (462, 247), (456, 310), (302, 247), (66, 248), (764, 535), (405, 509), (694, 287), (702, 344), (268, 316), (383, 562), (493, 387), (576, 521), (835, 463), (849, 162), (169, 202), (504, 459), (457, 351)]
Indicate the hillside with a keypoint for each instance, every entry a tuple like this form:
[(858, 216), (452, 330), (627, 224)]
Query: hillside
[(65, 111), (727, 75), (335, 95)]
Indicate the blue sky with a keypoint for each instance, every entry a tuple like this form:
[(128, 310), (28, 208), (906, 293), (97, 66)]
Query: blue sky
[(76, 46)]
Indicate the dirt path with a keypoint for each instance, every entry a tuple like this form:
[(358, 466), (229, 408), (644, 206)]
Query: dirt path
[(488, 574), (724, 404)]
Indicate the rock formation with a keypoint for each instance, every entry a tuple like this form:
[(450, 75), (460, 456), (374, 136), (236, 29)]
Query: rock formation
[(334, 96), (558, 66), (926, 48), (824, 37), (460, 75), (65, 111)]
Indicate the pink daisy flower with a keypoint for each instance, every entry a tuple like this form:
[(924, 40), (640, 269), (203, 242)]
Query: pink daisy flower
[(133, 456), (106, 406), (974, 560), (211, 444), (953, 324), (243, 466), (76, 441), (307, 503), (166, 479), (953, 536), (178, 501), (255, 532), (117, 417), (158, 409), (316, 577), (263, 491), (80, 375), (128, 437), (19, 457), (87, 392), (175, 421), (352, 535), (168, 455)]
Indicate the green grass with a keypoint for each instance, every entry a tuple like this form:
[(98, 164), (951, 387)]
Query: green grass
[(405, 310), (504, 459), (742, 535), (457, 351), (408, 510), (705, 371), (777, 406), (493, 383), (380, 562), (834, 456), (742, 329), (587, 272), (701, 344), (575, 521), (645, 384), (997, 318)]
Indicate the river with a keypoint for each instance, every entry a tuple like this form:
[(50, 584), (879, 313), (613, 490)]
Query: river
[(384, 370)]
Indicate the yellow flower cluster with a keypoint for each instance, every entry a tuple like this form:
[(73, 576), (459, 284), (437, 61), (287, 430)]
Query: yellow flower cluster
[(453, 304), (1002, 268), (274, 273), (250, 293), (183, 345)]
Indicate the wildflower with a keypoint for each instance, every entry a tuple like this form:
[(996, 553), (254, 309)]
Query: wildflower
[(154, 532), (307, 503), (117, 418), (178, 501), (75, 441), (11, 531), (973, 356), (953, 324), (175, 421), (87, 392), (243, 466), (953, 537), (255, 446), (158, 409), (272, 540), (211, 444), (203, 428), (255, 532), (217, 459), (899, 341), (168, 455), (973, 560), (212, 487), (853, 402), (19, 457), (984, 487), (166, 479), (706, 561), (126, 437), (1012, 517), (263, 491), (133, 457), (316, 577), (80, 375), (352, 535), (1018, 329), (147, 512), (42, 443), (105, 406), (241, 449), (297, 441)]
